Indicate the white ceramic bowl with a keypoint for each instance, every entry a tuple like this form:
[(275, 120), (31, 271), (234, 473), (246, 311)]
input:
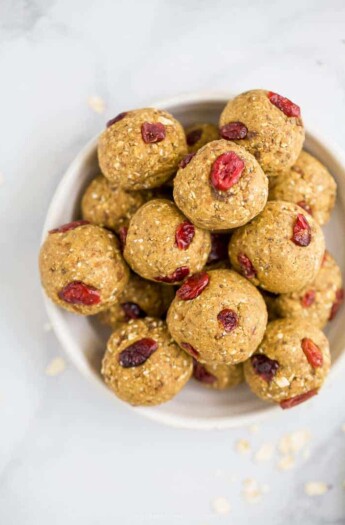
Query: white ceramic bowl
[(194, 407)]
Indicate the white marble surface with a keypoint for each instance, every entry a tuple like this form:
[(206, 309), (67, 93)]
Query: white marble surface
[(68, 455)]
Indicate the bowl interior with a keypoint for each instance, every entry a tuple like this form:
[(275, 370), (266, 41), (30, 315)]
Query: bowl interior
[(84, 341)]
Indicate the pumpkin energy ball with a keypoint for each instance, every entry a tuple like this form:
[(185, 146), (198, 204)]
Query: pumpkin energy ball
[(218, 377), (309, 184), (81, 268), (218, 317), (291, 363), (108, 205), (198, 135), (141, 149), (319, 301), (221, 187), (280, 250), (143, 365), (139, 299), (268, 125), (163, 246)]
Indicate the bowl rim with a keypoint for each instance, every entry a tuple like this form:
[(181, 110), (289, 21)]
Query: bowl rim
[(54, 312)]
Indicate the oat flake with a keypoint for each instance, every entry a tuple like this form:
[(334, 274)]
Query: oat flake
[(55, 367), (315, 488), (221, 506)]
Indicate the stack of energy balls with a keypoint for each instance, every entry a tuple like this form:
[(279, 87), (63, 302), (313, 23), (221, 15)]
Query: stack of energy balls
[(188, 281)]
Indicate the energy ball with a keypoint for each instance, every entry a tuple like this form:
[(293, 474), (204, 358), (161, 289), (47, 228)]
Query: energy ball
[(141, 149), (309, 184), (218, 317), (81, 268), (139, 299), (319, 301), (198, 135), (291, 363), (221, 187), (281, 250), (268, 125), (143, 365), (163, 246), (218, 377), (110, 206)]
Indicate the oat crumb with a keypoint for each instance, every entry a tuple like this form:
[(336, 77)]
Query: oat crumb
[(294, 442), (55, 367), (265, 452), (242, 446), (221, 506), (316, 488), (96, 103), (286, 462), (252, 491)]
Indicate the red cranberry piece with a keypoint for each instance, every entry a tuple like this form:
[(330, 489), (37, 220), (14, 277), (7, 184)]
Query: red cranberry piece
[(122, 233), (186, 160), (194, 136), (284, 104), (296, 400), (193, 286), (219, 248), (305, 206), (339, 298), (301, 231), (77, 292), (152, 132), (132, 311), (308, 298), (312, 352), (228, 318), (247, 268), (184, 235), (226, 171), (264, 366), (118, 117), (69, 226), (177, 276), (190, 349), (234, 131), (201, 374), (137, 353)]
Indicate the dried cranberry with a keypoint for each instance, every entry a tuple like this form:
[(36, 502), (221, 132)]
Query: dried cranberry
[(339, 298), (132, 311), (264, 366), (301, 231), (77, 292), (305, 206), (184, 235), (193, 286), (226, 171), (228, 318), (201, 374), (152, 132), (190, 349), (308, 298), (69, 226), (246, 265), (312, 352), (234, 131), (137, 353), (186, 160), (118, 117), (122, 233), (194, 136), (219, 248), (284, 104), (177, 276), (296, 400)]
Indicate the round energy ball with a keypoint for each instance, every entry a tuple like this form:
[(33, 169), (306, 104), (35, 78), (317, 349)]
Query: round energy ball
[(221, 187), (218, 317), (291, 363), (268, 125), (281, 250), (309, 184), (139, 299), (142, 364), (218, 377), (198, 135), (162, 245), (81, 268), (110, 206), (141, 149), (318, 302)]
